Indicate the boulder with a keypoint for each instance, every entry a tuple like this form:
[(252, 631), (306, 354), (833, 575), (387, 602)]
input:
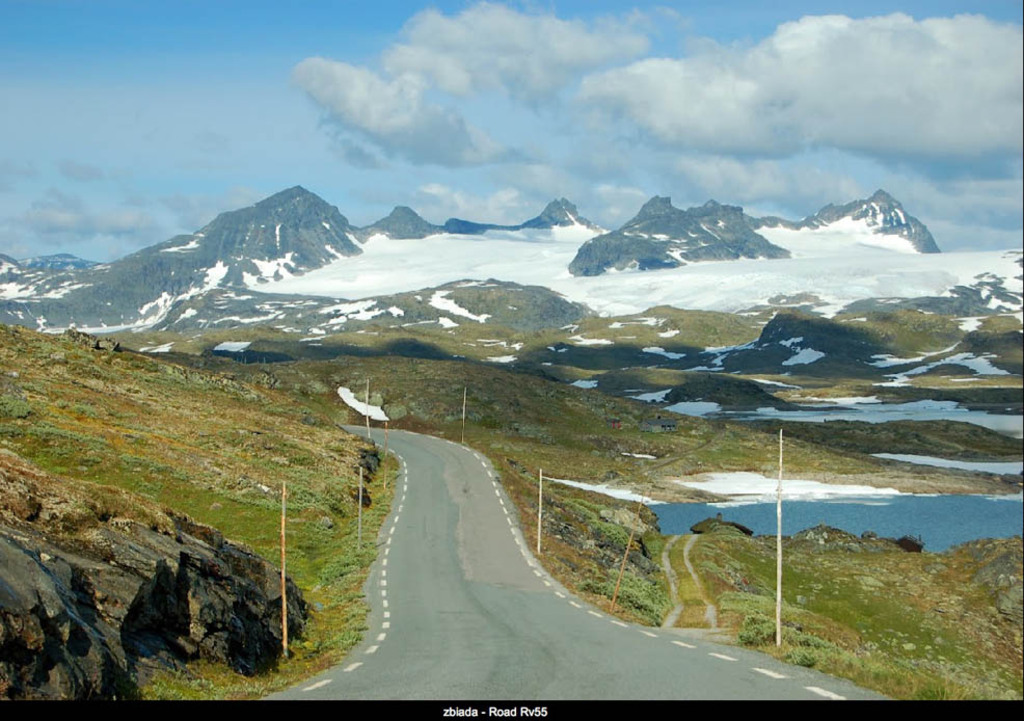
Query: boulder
[(92, 603)]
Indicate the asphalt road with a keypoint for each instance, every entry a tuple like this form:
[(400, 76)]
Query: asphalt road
[(462, 611)]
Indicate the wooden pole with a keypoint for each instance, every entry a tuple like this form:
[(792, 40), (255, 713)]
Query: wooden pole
[(540, 506), (284, 587), (385, 458), (359, 511), (629, 543), (778, 552), (366, 409), (464, 389)]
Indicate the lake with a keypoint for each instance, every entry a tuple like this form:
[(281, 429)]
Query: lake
[(940, 521)]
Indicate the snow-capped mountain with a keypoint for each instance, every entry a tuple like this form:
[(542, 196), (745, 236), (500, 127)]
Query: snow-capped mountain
[(60, 261), (663, 236), (290, 232), (294, 251), (879, 221)]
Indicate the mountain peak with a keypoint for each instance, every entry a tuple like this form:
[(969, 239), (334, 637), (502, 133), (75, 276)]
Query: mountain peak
[(658, 205), (880, 196), (401, 222), (295, 194)]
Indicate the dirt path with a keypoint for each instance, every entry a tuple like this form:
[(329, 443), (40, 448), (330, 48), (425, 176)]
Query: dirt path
[(666, 564), (710, 611)]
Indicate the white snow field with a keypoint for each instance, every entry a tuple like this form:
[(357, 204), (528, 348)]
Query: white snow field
[(753, 487), (837, 265)]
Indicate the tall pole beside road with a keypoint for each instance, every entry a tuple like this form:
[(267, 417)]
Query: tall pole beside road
[(366, 409), (629, 543), (778, 552), (284, 587), (540, 505), (464, 389), (359, 512)]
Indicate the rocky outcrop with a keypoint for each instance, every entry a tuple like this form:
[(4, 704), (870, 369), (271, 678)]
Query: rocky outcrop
[(99, 588), (718, 525)]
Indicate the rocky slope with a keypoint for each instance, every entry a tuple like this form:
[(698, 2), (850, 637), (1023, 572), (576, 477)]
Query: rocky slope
[(99, 588), (881, 214), (663, 236)]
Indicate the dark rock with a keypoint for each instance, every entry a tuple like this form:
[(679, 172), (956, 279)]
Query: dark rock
[(91, 604), (911, 544), (90, 341), (713, 525)]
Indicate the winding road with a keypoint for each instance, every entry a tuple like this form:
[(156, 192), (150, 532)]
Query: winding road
[(460, 609)]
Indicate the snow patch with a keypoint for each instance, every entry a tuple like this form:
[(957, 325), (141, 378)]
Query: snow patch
[(662, 352), (653, 397), (620, 493), (580, 340), (232, 346), (806, 356), (363, 409), (440, 301), (755, 488)]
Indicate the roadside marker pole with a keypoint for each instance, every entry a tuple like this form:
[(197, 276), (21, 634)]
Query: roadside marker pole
[(464, 389), (629, 543), (284, 588), (385, 458), (778, 552), (366, 409), (540, 505)]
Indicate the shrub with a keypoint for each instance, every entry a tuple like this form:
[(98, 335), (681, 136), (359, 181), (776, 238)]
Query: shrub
[(801, 657), (14, 408)]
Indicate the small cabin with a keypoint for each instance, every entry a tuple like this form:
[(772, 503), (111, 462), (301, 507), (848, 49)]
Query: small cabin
[(658, 425)]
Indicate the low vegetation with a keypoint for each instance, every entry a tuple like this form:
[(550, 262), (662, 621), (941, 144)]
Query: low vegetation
[(910, 625)]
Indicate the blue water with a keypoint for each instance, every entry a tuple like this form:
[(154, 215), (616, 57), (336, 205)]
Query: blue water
[(940, 521)]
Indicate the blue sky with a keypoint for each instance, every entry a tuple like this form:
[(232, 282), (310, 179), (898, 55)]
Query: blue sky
[(125, 123)]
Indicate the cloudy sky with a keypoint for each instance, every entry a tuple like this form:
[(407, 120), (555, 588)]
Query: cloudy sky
[(126, 122)]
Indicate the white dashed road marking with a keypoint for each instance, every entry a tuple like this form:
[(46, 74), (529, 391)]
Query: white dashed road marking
[(372, 649), (770, 674), (319, 684), (574, 604), (826, 694), (684, 645), (595, 613), (352, 666), (620, 623), (381, 636), (722, 656)]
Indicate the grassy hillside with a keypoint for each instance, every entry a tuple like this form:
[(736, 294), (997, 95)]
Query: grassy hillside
[(214, 448), (910, 625)]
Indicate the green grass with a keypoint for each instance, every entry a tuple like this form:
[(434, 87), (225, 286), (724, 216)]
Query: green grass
[(868, 616)]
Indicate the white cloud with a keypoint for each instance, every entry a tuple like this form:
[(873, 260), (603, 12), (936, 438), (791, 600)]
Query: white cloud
[(83, 172), (62, 214), (492, 47), (884, 86), (11, 170), (506, 206), (394, 114), (617, 204), (795, 184), (194, 211)]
